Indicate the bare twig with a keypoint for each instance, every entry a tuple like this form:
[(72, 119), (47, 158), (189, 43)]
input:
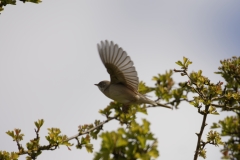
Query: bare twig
[(201, 132), (159, 104), (19, 145), (217, 98), (225, 107)]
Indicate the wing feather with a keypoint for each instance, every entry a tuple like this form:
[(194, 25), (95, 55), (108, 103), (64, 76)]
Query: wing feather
[(128, 66), (122, 58), (125, 62), (128, 70), (112, 51), (118, 64)]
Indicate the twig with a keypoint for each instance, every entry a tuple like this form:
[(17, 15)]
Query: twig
[(201, 132), (217, 98), (92, 129), (225, 107), (19, 146), (204, 113), (163, 105)]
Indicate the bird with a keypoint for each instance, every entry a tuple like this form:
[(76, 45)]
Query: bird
[(124, 81)]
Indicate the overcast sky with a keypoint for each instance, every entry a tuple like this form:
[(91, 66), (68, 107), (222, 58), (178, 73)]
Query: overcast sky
[(49, 63)]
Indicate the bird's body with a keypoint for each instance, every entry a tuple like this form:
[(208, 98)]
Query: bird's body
[(122, 94), (123, 86)]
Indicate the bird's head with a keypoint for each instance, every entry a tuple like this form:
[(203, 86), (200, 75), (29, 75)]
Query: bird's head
[(103, 85)]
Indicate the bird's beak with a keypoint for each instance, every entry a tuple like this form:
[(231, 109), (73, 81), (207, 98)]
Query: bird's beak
[(96, 84)]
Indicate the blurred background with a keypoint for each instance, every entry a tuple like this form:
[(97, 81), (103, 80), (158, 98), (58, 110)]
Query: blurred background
[(49, 63)]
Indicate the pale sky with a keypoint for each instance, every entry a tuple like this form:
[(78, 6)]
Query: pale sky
[(49, 63)]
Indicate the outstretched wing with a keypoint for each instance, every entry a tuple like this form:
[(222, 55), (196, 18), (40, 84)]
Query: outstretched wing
[(118, 64)]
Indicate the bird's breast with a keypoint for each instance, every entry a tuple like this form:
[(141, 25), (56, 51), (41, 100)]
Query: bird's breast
[(120, 93)]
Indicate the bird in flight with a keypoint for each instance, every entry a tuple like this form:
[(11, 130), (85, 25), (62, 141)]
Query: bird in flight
[(123, 86)]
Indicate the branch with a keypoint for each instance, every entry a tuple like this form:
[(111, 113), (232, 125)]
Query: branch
[(19, 146), (164, 105), (196, 90), (225, 106), (92, 129), (217, 98), (159, 104), (201, 132), (183, 99), (200, 144)]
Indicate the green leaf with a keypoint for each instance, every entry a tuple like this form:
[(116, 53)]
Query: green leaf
[(179, 63), (10, 133), (142, 141), (121, 142), (200, 73), (202, 153), (188, 62), (185, 60), (89, 148), (154, 153)]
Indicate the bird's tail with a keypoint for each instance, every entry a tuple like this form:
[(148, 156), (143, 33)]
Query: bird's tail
[(149, 101)]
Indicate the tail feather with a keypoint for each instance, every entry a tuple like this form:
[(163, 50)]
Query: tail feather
[(144, 99)]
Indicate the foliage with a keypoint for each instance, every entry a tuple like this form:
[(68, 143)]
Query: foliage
[(205, 94), (230, 127), (13, 2), (227, 98), (8, 156), (135, 141), (230, 101), (33, 148), (164, 89)]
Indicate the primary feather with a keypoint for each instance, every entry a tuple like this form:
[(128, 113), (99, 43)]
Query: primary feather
[(118, 64)]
